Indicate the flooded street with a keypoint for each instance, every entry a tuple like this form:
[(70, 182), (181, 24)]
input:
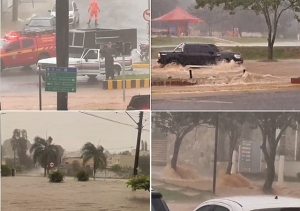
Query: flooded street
[(36, 194)]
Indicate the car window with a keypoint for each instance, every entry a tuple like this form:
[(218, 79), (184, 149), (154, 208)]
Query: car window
[(13, 46), (140, 102), (205, 49), (3, 44), (40, 23), (192, 49), (75, 6), (206, 208), (92, 54), (220, 208), (70, 6), (158, 204), (54, 21), (27, 43)]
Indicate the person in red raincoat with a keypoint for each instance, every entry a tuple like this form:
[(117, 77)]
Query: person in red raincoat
[(94, 10)]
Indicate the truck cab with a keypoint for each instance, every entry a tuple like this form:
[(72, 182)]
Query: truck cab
[(22, 49)]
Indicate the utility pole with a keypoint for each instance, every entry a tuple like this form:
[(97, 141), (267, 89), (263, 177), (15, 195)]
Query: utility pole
[(216, 153), (62, 45), (138, 143), (15, 10)]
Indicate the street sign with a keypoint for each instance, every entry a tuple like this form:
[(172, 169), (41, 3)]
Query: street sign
[(51, 165), (146, 15), (61, 79)]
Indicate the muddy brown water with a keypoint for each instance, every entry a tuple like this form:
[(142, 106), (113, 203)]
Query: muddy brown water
[(36, 194)]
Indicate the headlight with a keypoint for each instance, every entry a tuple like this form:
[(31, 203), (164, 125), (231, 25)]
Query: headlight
[(237, 56), (158, 55)]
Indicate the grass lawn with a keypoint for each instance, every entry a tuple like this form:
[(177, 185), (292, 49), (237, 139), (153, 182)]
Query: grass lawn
[(175, 41), (246, 40), (139, 76)]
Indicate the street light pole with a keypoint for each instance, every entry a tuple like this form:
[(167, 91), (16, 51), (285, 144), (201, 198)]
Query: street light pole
[(62, 45), (216, 153), (138, 144)]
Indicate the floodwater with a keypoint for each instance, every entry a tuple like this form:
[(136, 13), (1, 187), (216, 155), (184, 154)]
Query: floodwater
[(36, 193)]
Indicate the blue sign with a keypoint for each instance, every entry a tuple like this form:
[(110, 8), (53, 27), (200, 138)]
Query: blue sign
[(61, 79)]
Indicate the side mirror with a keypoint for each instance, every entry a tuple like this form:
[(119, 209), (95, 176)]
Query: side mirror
[(8, 49), (49, 10)]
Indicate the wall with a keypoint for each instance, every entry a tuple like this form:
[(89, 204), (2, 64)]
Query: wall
[(291, 168)]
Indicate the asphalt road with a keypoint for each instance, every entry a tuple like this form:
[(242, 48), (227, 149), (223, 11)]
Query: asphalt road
[(21, 81), (256, 100)]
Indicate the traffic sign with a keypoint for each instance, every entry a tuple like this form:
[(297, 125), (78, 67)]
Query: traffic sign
[(146, 15), (61, 79), (51, 165)]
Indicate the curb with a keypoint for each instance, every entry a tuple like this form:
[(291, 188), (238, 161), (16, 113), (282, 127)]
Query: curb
[(129, 84), (140, 65), (246, 88)]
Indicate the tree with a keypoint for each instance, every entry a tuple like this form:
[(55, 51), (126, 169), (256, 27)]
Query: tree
[(161, 7), (144, 165), (269, 123), (179, 124), (76, 166), (19, 146), (90, 151), (232, 124), (271, 10), (143, 146), (116, 169), (44, 152), (125, 153)]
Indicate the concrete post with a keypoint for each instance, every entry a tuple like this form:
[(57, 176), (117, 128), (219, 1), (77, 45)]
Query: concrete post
[(281, 169), (233, 168)]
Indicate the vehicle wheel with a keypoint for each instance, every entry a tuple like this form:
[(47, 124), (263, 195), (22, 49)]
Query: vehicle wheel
[(174, 62), (92, 76), (117, 70)]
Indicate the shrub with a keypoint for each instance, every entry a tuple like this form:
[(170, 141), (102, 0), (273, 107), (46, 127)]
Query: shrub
[(82, 175), (56, 176), (298, 176), (5, 171), (140, 182)]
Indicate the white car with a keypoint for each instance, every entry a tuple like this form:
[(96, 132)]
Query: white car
[(74, 16), (251, 203)]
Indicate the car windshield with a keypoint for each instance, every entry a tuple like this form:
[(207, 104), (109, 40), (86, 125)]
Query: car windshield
[(3, 44), (70, 7), (40, 23), (179, 48)]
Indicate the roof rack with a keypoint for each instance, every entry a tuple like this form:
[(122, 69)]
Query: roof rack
[(32, 32)]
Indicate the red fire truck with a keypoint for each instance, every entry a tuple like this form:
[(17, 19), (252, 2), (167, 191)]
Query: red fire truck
[(25, 48)]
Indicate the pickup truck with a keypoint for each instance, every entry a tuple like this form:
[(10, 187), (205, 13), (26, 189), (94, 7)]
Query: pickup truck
[(139, 102), (195, 54), (88, 64)]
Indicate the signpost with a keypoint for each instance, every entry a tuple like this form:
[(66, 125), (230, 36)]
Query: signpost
[(61, 79), (51, 165)]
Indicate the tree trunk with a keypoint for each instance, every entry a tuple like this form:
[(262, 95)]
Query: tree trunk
[(45, 170), (94, 172), (267, 188), (177, 144), (270, 51), (229, 166)]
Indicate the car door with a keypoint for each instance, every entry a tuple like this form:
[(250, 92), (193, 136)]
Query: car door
[(90, 62), (193, 54), (29, 51), (207, 54), (13, 54), (54, 23)]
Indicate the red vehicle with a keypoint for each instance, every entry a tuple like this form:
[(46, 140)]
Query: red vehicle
[(26, 48)]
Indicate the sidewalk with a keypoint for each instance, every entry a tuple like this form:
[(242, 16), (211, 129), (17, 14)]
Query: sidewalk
[(26, 11)]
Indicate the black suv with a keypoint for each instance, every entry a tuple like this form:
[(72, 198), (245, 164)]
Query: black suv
[(198, 55), (139, 102), (157, 202)]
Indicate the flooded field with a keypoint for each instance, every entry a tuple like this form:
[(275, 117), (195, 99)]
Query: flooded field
[(36, 194)]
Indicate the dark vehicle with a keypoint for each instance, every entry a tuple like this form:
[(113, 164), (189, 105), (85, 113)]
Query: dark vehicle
[(41, 22), (139, 102), (157, 202), (197, 55)]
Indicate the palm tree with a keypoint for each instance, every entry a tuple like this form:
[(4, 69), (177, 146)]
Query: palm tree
[(90, 151), (44, 152), (19, 145)]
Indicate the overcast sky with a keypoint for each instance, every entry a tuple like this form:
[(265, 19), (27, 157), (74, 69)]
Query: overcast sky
[(73, 129)]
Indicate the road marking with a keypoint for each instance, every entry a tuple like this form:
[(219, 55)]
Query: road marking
[(203, 101)]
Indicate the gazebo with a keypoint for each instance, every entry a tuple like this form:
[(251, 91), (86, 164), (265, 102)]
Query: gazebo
[(178, 20)]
